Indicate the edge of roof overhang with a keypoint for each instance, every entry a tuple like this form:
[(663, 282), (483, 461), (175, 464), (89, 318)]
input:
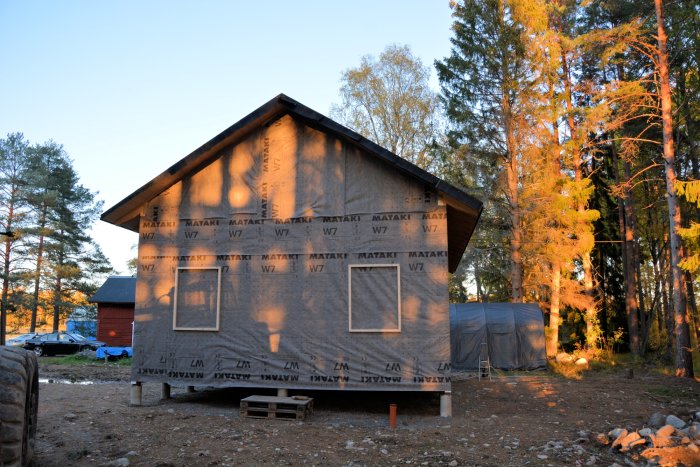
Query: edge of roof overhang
[(126, 212)]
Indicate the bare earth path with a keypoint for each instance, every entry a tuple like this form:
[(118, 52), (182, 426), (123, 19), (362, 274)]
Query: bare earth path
[(536, 419)]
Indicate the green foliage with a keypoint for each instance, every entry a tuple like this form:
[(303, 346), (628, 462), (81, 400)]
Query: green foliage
[(690, 191), (483, 85), (57, 264), (82, 360), (390, 102)]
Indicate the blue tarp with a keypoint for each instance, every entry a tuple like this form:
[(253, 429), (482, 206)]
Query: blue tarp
[(84, 327), (104, 352)]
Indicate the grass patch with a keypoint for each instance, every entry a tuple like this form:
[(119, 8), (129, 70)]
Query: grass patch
[(567, 370), (82, 360), (599, 362), (668, 392)]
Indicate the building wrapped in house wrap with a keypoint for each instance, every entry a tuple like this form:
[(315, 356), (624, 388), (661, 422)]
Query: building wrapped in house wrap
[(291, 252)]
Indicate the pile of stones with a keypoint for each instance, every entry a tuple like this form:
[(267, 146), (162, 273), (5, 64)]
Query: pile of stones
[(664, 437)]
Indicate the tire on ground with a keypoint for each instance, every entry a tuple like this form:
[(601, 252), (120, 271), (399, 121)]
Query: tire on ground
[(19, 400)]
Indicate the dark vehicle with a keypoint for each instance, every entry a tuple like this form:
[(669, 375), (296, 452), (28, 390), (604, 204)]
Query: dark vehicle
[(55, 343), (20, 340)]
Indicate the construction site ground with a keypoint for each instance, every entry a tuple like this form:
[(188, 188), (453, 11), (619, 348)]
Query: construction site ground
[(535, 418)]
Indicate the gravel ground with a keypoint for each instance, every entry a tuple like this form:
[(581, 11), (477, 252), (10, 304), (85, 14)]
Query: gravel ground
[(531, 418)]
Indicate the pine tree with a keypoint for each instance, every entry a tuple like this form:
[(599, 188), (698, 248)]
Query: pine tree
[(46, 164), (483, 83), (63, 252), (13, 213), (71, 253)]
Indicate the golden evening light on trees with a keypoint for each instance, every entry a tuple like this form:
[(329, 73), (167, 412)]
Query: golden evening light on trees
[(559, 117), (50, 263)]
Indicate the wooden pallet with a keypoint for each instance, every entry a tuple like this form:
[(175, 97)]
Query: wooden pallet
[(284, 408)]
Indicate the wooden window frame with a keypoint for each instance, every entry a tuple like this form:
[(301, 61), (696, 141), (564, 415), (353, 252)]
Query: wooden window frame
[(398, 298), (218, 299)]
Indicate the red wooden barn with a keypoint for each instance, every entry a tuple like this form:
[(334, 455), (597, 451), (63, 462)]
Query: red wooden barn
[(115, 310)]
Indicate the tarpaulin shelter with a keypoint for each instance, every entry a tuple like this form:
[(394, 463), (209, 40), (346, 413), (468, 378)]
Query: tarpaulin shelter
[(513, 333), (291, 252)]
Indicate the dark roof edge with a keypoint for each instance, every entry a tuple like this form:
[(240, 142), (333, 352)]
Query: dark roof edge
[(311, 116), (206, 151), (123, 212)]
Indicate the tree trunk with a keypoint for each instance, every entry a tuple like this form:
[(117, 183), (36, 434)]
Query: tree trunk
[(667, 292), (477, 281), (511, 167), (692, 305), (37, 272), (57, 303), (604, 296), (515, 257), (632, 285), (658, 282), (6, 274), (590, 313), (552, 335), (682, 355), (58, 289), (627, 235)]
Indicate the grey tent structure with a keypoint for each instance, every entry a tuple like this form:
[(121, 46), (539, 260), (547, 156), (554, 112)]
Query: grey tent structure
[(513, 332)]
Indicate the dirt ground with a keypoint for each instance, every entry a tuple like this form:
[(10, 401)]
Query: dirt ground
[(532, 418)]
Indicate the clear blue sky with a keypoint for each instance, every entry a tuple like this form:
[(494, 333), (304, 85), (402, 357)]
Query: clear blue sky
[(131, 87)]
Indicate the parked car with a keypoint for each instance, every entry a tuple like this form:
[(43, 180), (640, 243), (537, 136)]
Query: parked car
[(55, 343), (21, 339)]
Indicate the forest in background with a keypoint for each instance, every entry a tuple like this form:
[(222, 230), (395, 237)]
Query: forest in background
[(576, 123), (50, 264)]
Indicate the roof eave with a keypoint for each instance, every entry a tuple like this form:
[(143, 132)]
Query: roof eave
[(126, 213)]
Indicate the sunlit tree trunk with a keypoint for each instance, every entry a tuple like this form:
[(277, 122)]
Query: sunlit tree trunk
[(58, 289), (590, 313), (552, 336), (12, 210), (511, 167), (6, 276), (515, 242), (692, 305), (682, 355)]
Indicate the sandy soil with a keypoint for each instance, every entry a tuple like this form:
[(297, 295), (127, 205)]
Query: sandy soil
[(535, 418)]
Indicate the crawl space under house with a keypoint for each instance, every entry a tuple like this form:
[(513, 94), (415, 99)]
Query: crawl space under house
[(291, 252)]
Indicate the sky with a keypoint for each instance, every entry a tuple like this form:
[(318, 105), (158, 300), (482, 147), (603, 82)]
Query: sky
[(131, 87)]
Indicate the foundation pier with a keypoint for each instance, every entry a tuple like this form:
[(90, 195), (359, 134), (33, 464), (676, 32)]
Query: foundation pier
[(165, 391), (135, 394), (446, 404)]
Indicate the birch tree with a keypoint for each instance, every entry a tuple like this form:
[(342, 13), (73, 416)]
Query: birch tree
[(389, 101)]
